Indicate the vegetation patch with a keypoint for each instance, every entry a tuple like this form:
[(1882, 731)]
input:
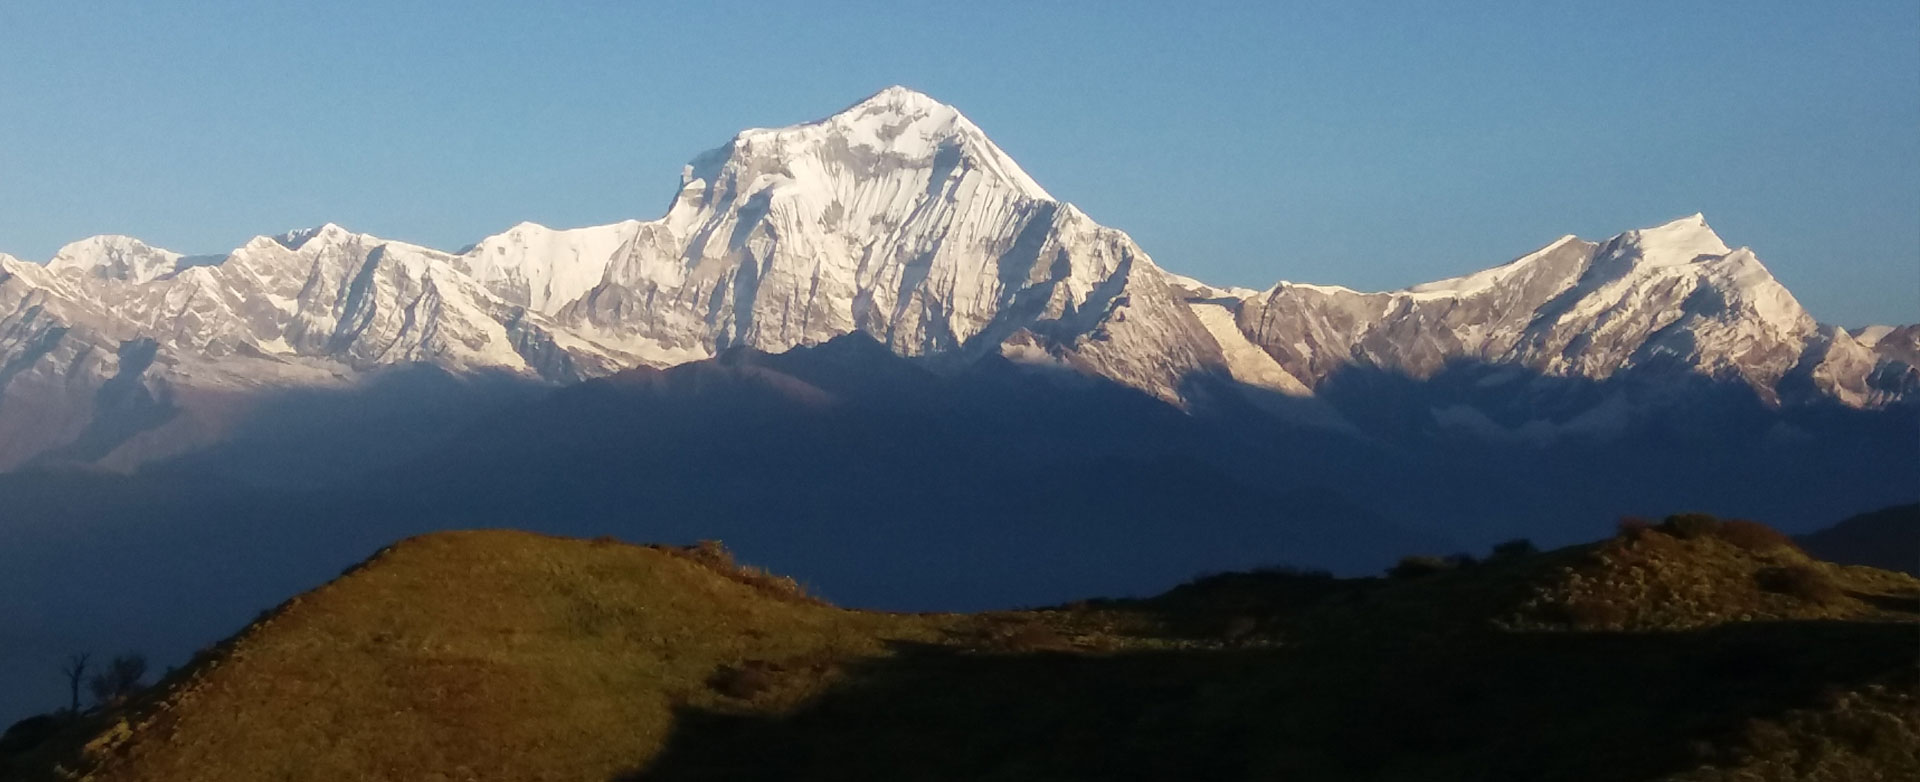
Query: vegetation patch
[(1692, 571), (1676, 650)]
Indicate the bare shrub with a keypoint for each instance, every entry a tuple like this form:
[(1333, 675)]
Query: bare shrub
[(75, 671), (122, 678)]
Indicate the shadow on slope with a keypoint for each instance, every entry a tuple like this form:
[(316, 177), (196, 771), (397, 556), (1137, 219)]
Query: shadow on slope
[(1298, 675), (885, 485), (313, 437), (508, 655), (1566, 706), (876, 482), (1490, 452), (1888, 539)]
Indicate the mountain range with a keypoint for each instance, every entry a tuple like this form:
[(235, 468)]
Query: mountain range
[(899, 219), (871, 352)]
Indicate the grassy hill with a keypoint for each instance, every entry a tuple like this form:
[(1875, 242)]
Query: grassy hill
[(1690, 650)]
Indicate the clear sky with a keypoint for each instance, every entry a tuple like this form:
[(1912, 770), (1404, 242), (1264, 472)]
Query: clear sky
[(1373, 145)]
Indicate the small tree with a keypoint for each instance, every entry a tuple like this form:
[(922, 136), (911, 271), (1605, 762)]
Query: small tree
[(75, 669), (120, 679)]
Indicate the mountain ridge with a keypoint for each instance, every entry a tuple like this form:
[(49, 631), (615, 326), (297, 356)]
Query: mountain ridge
[(899, 218)]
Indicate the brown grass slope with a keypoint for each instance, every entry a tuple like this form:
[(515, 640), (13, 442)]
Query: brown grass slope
[(1695, 571), (481, 655), (1722, 654)]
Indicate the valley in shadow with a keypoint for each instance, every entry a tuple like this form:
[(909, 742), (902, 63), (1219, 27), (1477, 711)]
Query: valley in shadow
[(880, 483)]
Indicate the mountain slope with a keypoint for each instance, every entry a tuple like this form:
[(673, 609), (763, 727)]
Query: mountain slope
[(503, 655), (896, 217), (900, 219), (569, 662), (1888, 538), (988, 487), (165, 361), (1672, 297)]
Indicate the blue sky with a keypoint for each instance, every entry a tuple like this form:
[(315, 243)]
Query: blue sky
[(1368, 144)]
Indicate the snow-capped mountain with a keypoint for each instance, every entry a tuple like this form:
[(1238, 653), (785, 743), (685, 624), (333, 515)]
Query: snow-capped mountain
[(896, 217), (1672, 296), (899, 218)]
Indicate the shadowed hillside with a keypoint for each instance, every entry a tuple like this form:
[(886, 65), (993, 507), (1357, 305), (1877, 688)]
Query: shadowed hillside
[(1888, 538), (1693, 649), (899, 484)]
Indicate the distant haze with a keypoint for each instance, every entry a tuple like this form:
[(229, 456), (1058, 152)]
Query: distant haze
[(1366, 146)]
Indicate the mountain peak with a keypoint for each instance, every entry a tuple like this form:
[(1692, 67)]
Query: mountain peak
[(113, 256), (326, 232), (1679, 241), (100, 243), (897, 123), (899, 99)]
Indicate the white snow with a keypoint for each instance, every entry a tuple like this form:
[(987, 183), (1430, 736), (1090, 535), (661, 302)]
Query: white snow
[(1678, 242), (895, 121), (114, 257), (1870, 336), (1247, 362), (900, 218), (550, 268), (1482, 281), (1317, 288), (1197, 288)]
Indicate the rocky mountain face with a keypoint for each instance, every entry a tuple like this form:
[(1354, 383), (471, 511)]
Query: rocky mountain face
[(1671, 297), (897, 218)]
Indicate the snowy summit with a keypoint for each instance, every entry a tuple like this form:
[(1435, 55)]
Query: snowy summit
[(896, 217)]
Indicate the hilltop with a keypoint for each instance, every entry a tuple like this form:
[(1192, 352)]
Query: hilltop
[(1693, 649)]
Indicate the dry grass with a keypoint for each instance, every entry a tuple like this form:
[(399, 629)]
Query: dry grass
[(510, 656), (492, 655), (1808, 582), (1754, 536), (1872, 732), (1695, 571)]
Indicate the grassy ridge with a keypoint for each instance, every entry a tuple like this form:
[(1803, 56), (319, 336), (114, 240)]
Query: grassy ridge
[(510, 656), (479, 655)]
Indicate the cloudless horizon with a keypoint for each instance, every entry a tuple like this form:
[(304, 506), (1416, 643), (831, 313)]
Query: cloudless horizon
[(1373, 145)]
